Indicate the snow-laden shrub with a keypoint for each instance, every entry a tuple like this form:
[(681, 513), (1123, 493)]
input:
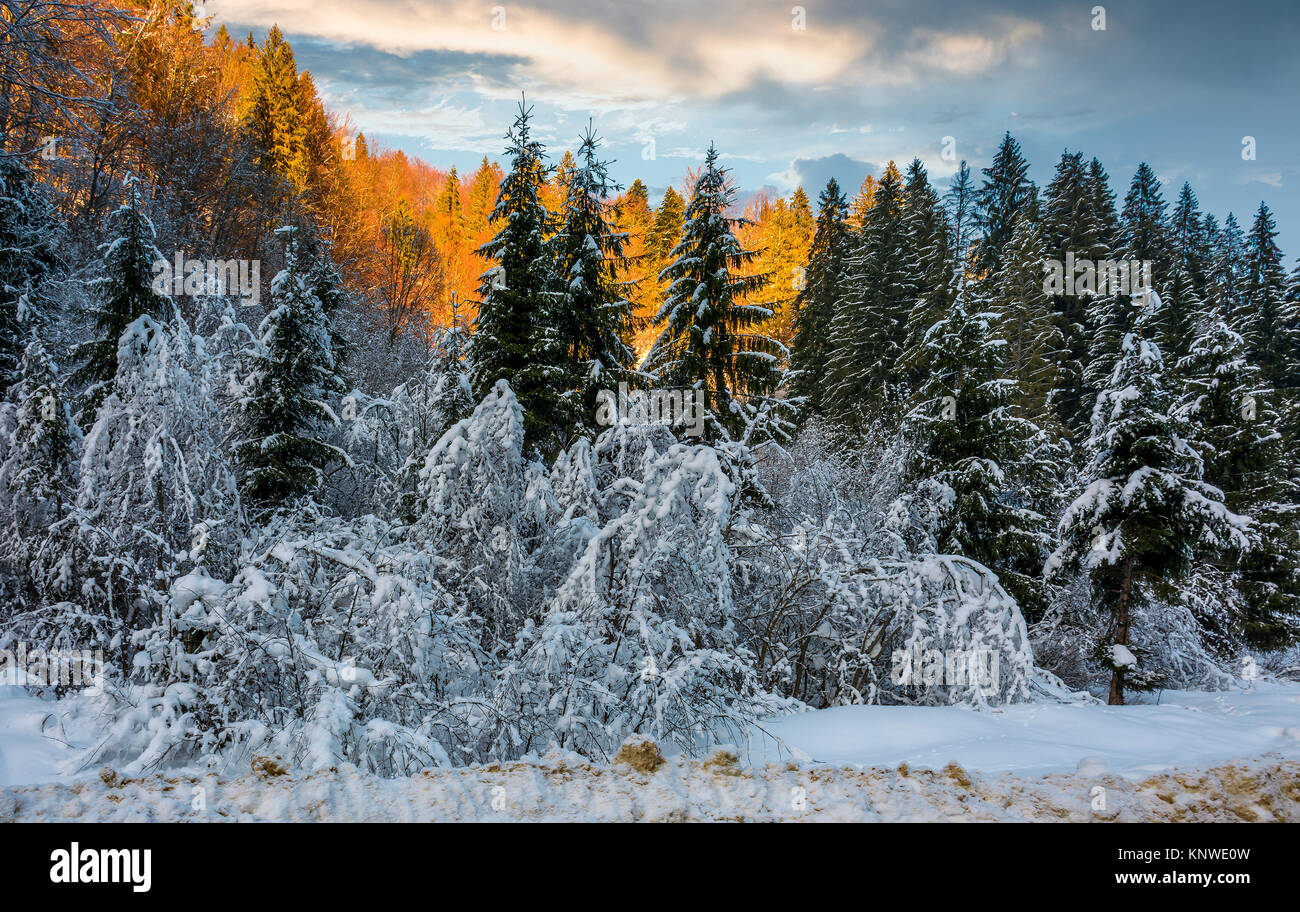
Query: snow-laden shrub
[(1282, 663), (839, 582), (954, 611), (573, 483), (1186, 640), (641, 586), (815, 615), (641, 637), (485, 510), (839, 628), (1192, 638), (328, 646), (156, 496), (388, 438)]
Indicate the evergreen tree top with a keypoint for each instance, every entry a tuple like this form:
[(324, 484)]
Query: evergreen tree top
[(1143, 225), (1006, 190)]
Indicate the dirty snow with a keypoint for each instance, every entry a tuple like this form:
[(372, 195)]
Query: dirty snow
[(566, 789)]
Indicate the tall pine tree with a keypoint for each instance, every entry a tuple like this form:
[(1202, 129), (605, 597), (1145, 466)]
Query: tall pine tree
[(1006, 191), (514, 339), (869, 329), (1188, 239), (815, 303), (1142, 510), (710, 337), (1075, 222), (1142, 236), (591, 315), (1268, 321), (1237, 432), (1035, 344), (929, 239), (283, 409)]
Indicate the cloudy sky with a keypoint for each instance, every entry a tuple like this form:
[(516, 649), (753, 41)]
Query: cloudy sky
[(1178, 83)]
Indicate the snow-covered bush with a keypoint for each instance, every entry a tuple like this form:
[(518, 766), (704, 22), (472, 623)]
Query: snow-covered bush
[(388, 438), (954, 610), (840, 577), (327, 646), (642, 637), (1190, 640), (484, 509), (157, 497)]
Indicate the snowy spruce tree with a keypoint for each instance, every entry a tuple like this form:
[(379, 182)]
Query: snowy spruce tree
[(1189, 242), (1269, 322), (1181, 316), (1293, 286), (960, 204), (1035, 346), (1144, 228), (1227, 268), (1142, 235), (123, 294), (815, 303), (590, 315), (1004, 195), (929, 241), (514, 338), (869, 328), (711, 338), (282, 409), (973, 458), (1078, 207), (1238, 435), (27, 260), (1232, 414), (1142, 509)]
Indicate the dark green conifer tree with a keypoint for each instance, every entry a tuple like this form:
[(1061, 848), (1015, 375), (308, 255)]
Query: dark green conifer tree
[(815, 303)]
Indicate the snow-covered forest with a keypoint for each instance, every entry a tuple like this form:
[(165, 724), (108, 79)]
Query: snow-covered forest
[(307, 499)]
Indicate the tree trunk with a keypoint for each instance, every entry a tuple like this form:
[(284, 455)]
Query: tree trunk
[(1121, 632)]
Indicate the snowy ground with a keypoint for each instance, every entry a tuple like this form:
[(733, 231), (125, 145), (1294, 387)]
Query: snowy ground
[(1185, 730), (1041, 761)]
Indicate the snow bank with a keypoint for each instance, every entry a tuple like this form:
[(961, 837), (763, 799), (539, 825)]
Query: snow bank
[(717, 789), (1186, 729)]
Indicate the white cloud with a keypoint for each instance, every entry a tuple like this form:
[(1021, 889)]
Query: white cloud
[(971, 53), (1271, 178), (582, 59), (662, 52)]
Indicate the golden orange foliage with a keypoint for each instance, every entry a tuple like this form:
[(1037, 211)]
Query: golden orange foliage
[(241, 139)]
